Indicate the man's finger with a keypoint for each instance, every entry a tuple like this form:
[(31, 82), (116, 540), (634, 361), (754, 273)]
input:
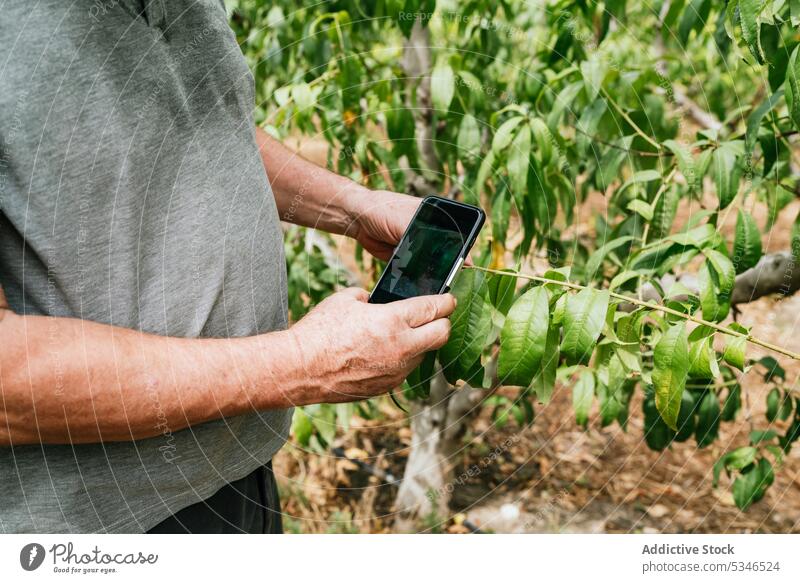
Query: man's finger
[(357, 293), (423, 309), (430, 336)]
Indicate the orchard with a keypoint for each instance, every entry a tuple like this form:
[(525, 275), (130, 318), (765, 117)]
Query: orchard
[(609, 143)]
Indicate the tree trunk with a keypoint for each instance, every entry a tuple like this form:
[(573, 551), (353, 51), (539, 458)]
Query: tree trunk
[(437, 426)]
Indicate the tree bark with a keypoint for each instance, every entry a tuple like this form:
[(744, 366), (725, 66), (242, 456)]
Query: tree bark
[(438, 424), (776, 273)]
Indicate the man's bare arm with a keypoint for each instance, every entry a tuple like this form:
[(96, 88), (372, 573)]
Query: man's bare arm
[(315, 197), (64, 380), (307, 194), (68, 380)]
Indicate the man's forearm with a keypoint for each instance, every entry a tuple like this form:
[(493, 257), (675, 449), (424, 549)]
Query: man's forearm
[(307, 194), (66, 380)]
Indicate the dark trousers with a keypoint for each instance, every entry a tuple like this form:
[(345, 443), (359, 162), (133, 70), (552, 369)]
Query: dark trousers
[(249, 505)]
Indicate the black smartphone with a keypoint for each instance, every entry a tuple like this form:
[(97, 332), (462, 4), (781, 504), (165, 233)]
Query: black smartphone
[(431, 252)]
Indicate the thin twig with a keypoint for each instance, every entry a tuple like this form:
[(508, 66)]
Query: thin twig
[(644, 304), (627, 118)]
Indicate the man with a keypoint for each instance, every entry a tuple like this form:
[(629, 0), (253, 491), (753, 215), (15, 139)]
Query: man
[(147, 373)]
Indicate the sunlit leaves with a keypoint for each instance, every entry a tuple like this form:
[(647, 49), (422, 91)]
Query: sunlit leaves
[(749, 11), (582, 397), (523, 338), (518, 161), (747, 244), (686, 163), (752, 483), (544, 382), (471, 324), (716, 279), (792, 87), (670, 370), (726, 173), (583, 321), (443, 85), (735, 347), (703, 359), (469, 139), (505, 133)]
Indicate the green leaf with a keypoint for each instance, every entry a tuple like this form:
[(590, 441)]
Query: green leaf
[(583, 321), (323, 417), (471, 324), (733, 402), (657, 434), (670, 369), (703, 360), (714, 303), (596, 259), (641, 208), (587, 125), (754, 121), (735, 347), (664, 212), (544, 140), (686, 424), (443, 86), (562, 102), (735, 460), (762, 436), (302, 428), (708, 418), (418, 383), (698, 236), (501, 290), (518, 162), (612, 395), (773, 403), (792, 87), (582, 397), (726, 174), (503, 135), (794, 6), (545, 381), (786, 407), (523, 338), (741, 458), (486, 169), (303, 96), (778, 198), (469, 139), (693, 18), (639, 177), (716, 280), (685, 163), (749, 11), (747, 243), (593, 71), (751, 485)]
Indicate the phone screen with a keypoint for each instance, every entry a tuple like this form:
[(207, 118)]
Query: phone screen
[(439, 235)]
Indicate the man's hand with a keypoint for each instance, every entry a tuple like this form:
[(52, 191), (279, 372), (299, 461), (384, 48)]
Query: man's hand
[(380, 220), (353, 350)]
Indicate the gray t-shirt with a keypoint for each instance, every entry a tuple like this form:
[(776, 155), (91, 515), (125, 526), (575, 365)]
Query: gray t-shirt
[(132, 193)]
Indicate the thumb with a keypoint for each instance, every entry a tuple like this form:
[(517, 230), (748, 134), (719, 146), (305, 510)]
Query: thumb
[(423, 309)]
